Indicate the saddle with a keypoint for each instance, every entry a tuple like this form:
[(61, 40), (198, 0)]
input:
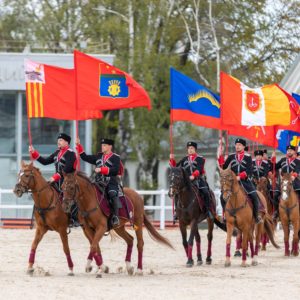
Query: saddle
[(261, 207), (125, 212), (200, 200)]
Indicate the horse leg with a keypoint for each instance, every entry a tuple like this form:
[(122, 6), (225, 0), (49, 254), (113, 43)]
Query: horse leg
[(64, 238), (198, 245), (247, 236), (210, 225), (129, 241), (194, 228), (230, 228), (286, 232), (89, 233), (95, 246), (238, 245), (183, 232), (39, 233), (295, 246)]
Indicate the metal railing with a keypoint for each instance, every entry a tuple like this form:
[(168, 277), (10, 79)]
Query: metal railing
[(162, 207)]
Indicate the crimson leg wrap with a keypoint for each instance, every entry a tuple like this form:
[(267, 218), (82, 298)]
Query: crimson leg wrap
[(209, 249), (252, 249), (91, 255), (98, 259), (140, 259), (190, 252), (287, 248), (256, 249), (198, 245), (244, 254), (32, 256), (227, 250), (70, 262), (128, 253), (186, 250), (238, 243)]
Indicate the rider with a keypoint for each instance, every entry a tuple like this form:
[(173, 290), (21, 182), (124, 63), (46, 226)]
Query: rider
[(289, 164), (241, 164), (108, 166), (64, 159), (194, 165), (260, 166)]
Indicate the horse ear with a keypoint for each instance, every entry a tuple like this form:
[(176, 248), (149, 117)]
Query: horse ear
[(22, 164), (31, 164)]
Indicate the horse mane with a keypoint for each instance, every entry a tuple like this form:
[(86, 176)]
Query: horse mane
[(186, 179), (84, 176)]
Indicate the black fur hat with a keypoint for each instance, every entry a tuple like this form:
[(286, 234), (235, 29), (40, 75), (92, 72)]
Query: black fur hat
[(241, 141), (194, 144), (258, 152), (107, 141), (291, 147), (65, 137)]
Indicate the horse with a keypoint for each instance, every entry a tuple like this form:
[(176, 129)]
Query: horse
[(190, 213), (289, 214), (262, 186), (238, 213), (77, 187), (48, 211)]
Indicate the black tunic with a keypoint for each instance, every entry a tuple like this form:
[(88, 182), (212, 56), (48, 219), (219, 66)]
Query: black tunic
[(244, 165), (261, 170), (113, 163)]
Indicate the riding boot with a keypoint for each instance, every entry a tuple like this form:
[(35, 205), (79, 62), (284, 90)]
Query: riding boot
[(206, 203), (115, 218), (255, 202), (74, 216)]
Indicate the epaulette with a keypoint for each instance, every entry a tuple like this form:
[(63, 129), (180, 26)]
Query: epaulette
[(247, 154), (116, 154)]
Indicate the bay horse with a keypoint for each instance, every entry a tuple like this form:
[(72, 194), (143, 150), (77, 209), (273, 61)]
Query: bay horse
[(289, 214), (77, 187), (190, 213), (238, 213), (48, 211)]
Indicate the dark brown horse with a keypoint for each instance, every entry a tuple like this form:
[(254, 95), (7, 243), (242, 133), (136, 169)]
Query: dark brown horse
[(289, 214), (191, 214), (79, 188), (48, 211), (238, 213)]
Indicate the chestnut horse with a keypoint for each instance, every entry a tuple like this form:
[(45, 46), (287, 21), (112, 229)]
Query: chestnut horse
[(238, 213), (77, 187), (48, 211), (190, 213), (289, 214)]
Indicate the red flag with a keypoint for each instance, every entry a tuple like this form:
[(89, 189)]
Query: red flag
[(103, 86), (50, 93), (265, 135)]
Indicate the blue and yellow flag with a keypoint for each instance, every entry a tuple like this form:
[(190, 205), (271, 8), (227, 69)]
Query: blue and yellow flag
[(288, 137), (192, 102)]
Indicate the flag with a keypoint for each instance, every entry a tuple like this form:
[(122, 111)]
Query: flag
[(265, 106), (286, 138), (193, 102), (50, 93), (103, 86), (265, 135)]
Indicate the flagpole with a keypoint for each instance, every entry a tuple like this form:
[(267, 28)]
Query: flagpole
[(76, 121)]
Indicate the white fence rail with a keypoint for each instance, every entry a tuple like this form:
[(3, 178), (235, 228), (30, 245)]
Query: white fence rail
[(162, 207)]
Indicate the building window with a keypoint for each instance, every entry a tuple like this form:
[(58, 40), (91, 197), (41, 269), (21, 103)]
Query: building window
[(7, 123)]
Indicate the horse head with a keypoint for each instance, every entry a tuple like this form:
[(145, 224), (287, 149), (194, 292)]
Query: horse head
[(262, 184), (26, 179), (227, 180), (69, 189), (286, 186), (177, 181)]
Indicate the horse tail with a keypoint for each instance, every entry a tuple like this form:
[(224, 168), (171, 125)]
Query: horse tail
[(154, 234), (268, 225), (220, 224)]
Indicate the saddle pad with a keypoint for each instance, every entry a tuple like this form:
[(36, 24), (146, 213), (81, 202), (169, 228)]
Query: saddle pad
[(200, 200), (104, 205)]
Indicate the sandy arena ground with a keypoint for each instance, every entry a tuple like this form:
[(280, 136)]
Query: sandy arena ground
[(165, 275)]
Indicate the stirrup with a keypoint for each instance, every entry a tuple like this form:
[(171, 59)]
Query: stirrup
[(258, 220)]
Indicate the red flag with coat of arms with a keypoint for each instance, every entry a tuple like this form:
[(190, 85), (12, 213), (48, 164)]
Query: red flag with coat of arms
[(105, 87)]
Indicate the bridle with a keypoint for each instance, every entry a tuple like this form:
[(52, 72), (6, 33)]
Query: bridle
[(176, 181), (227, 180)]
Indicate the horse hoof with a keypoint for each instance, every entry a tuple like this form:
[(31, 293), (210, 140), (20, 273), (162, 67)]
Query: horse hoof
[(208, 260), (227, 264), (287, 254), (237, 253), (199, 262), (263, 248), (98, 275), (254, 263), (71, 273), (190, 263), (30, 271), (244, 265), (139, 272), (130, 271), (105, 269), (88, 269)]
